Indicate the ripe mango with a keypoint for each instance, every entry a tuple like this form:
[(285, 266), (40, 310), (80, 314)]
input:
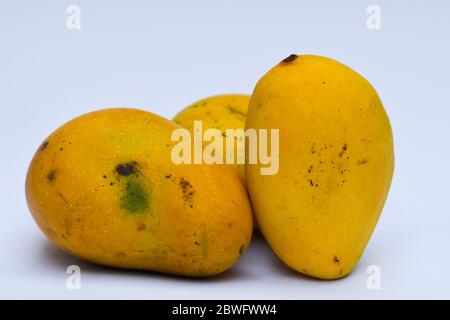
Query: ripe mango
[(103, 187), (221, 112), (336, 164)]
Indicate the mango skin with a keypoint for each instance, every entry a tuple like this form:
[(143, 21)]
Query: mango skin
[(103, 187), (336, 164), (221, 112)]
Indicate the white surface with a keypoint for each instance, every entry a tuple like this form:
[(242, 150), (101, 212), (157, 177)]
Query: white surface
[(163, 55)]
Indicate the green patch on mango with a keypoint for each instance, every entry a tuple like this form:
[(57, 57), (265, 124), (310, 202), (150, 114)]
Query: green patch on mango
[(135, 199)]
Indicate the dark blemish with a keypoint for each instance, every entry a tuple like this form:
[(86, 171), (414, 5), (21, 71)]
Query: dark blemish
[(140, 251), (105, 177), (43, 146), (289, 59), (323, 82), (141, 226), (196, 243), (204, 103), (305, 271), (336, 260), (136, 198), (310, 168), (236, 112), (187, 189), (224, 135), (168, 176), (313, 148), (341, 271), (61, 196), (364, 140), (316, 185), (361, 162), (230, 225), (111, 184), (126, 169), (344, 149), (120, 254), (61, 149), (51, 176), (311, 182), (241, 250)]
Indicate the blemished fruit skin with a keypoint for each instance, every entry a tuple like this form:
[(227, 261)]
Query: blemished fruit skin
[(103, 187), (222, 112), (336, 164)]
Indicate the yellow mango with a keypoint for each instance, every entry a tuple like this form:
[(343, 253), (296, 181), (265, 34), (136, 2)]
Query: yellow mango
[(220, 112), (336, 164), (103, 188)]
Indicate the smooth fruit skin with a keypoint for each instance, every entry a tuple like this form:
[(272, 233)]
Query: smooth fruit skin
[(336, 164), (103, 187), (221, 112)]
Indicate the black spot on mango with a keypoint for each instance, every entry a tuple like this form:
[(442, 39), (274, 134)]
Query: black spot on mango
[(51, 176), (187, 189), (125, 169), (336, 260)]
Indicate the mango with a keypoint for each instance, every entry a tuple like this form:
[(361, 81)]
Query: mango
[(221, 112), (103, 187), (336, 164)]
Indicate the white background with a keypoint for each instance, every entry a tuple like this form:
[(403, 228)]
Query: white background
[(163, 55)]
